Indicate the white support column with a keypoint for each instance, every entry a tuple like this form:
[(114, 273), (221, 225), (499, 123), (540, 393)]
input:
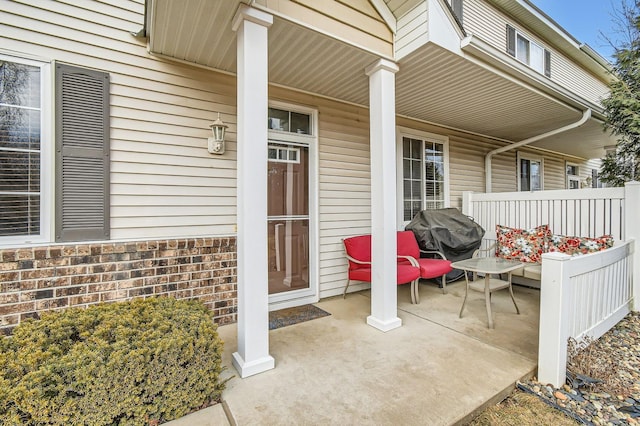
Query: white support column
[(632, 232), (554, 319), (253, 290), (467, 207), (382, 129)]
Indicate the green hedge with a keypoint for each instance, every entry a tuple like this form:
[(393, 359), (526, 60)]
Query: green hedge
[(131, 363)]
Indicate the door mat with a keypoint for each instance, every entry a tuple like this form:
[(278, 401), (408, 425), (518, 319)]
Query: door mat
[(290, 316)]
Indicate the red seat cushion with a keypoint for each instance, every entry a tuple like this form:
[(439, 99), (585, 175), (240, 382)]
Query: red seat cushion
[(404, 274), (360, 249), (407, 244), (432, 268), (429, 268)]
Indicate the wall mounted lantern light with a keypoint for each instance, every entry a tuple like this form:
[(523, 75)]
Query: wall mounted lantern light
[(216, 143)]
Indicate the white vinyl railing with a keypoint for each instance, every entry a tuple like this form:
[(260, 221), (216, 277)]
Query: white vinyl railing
[(583, 295), (580, 296)]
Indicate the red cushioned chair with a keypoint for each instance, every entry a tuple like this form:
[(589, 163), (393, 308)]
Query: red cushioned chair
[(358, 251), (429, 268)]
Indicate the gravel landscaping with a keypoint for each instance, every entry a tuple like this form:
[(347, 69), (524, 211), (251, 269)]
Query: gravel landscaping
[(603, 386)]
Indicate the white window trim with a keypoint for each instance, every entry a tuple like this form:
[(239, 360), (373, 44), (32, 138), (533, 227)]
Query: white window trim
[(572, 178), (405, 132), (312, 294), (530, 157), (47, 179)]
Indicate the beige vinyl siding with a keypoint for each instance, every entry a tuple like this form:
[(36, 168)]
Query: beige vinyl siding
[(564, 72), (412, 30), (489, 24), (163, 181), (555, 174), (486, 22), (355, 22)]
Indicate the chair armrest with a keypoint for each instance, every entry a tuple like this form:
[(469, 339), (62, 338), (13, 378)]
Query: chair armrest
[(434, 252), (411, 260), (359, 262), (492, 247)]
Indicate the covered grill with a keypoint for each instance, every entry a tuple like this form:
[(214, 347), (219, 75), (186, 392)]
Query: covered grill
[(448, 231)]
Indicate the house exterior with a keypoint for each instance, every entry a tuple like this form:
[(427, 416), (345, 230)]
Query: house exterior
[(345, 117)]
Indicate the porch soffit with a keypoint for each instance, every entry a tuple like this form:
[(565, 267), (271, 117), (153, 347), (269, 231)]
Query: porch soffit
[(199, 31), (433, 84), (438, 86)]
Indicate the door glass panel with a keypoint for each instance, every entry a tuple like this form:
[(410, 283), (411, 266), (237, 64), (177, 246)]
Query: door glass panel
[(288, 255), (288, 181), (288, 217)]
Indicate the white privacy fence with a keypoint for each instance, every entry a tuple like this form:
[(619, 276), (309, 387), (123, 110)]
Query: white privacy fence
[(583, 295), (584, 212)]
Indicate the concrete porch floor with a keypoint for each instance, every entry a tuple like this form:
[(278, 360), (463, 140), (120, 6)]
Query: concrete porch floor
[(437, 369)]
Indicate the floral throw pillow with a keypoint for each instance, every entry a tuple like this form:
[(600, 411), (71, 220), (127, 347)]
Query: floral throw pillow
[(575, 246), (524, 245)]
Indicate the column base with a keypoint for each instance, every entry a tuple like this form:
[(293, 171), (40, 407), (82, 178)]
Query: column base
[(246, 369), (384, 325)]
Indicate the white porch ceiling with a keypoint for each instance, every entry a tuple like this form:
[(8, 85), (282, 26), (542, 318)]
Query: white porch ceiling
[(433, 84)]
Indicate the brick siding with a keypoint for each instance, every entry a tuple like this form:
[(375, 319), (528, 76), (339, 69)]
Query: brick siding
[(37, 279)]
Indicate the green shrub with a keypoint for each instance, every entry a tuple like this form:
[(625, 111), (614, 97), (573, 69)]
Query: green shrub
[(131, 363)]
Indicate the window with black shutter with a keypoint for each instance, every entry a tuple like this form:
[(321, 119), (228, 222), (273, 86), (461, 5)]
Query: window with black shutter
[(528, 52), (456, 5)]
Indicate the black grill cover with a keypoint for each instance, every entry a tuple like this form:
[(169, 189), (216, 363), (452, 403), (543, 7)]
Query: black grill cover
[(448, 231)]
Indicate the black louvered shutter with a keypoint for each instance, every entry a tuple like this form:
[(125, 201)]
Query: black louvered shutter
[(456, 5), (82, 154), (547, 63), (511, 40)]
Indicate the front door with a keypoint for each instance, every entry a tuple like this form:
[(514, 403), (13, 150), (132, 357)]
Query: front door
[(289, 221)]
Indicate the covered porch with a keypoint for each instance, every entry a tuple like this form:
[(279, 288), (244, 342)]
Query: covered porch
[(450, 82), (437, 369)]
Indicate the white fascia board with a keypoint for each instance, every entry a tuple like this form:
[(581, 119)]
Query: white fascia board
[(489, 55), (386, 14)]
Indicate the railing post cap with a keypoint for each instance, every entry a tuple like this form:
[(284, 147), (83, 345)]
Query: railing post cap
[(555, 255)]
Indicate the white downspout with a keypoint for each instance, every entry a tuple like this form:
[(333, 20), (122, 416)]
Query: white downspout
[(586, 114)]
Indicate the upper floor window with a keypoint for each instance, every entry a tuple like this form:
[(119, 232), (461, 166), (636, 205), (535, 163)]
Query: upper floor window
[(528, 52), (456, 6)]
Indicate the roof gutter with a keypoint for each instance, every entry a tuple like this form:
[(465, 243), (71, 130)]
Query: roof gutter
[(586, 115)]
